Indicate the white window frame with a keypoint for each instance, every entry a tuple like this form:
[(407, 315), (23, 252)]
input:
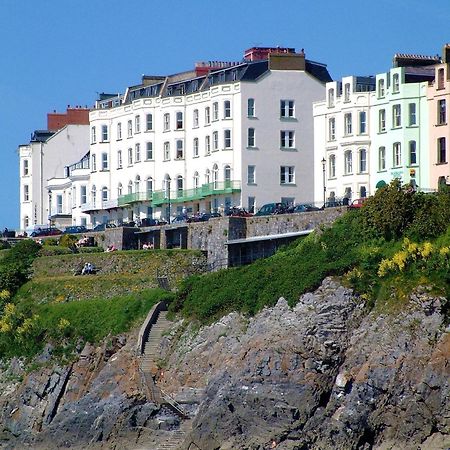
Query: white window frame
[(251, 137), (396, 115), (166, 122), (137, 152), (130, 128), (287, 139), (287, 175), (149, 151), (382, 158), (227, 139), (149, 122), (348, 162), (119, 131), (251, 174), (348, 126), (137, 124), (215, 111), (105, 165), (382, 120), (250, 107), (227, 109), (397, 154), (166, 151)]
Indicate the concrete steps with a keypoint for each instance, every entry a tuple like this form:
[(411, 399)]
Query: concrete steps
[(175, 438)]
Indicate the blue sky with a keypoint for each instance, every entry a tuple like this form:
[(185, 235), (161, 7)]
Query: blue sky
[(60, 52)]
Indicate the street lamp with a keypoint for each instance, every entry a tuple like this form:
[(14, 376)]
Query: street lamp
[(168, 180), (50, 209), (324, 187)]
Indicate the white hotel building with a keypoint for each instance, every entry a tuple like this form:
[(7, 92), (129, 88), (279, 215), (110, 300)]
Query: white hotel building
[(225, 134)]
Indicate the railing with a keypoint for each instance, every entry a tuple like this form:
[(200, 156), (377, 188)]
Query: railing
[(149, 321), (135, 197), (167, 399)]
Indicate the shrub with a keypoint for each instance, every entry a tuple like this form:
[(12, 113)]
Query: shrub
[(68, 240)]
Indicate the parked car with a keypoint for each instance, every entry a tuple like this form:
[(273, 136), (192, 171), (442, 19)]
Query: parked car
[(272, 208), (74, 229), (41, 232), (179, 219), (202, 217), (149, 222), (304, 208), (238, 212), (103, 226), (358, 203)]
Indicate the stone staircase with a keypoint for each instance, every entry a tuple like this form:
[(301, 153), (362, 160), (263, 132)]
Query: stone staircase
[(174, 438)]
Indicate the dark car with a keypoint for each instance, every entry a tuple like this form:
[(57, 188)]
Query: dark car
[(179, 219), (103, 226), (305, 208), (203, 217), (41, 232), (74, 229), (272, 208), (149, 222)]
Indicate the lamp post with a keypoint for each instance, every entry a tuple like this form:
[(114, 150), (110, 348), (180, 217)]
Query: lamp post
[(50, 209), (324, 187), (168, 180)]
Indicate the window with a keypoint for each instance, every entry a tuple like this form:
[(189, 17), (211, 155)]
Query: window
[(26, 167), (442, 156), (395, 82), (381, 88), (93, 135), (179, 149), (137, 124), (287, 108), (207, 176), (149, 186), (396, 116), (137, 184), (119, 159), (250, 174), (166, 123), (104, 194), (130, 187), (93, 163), (227, 109), (215, 140), (195, 147), (287, 139), (348, 124), (397, 154), (93, 195), (215, 173), (287, 175), (412, 114), (137, 153), (130, 156), (179, 117), (83, 194), (347, 92), (441, 79), (442, 112), (149, 151), (149, 122), (104, 161), (362, 122), (207, 145), (348, 162), (207, 115), (215, 111), (26, 193), (195, 118), (251, 107), (59, 204), (250, 137), (362, 160), (180, 184), (227, 174), (332, 166), (166, 151), (331, 129), (382, 158), (196, 180), (119, 189), (26, 222), (382, 120), (227, 138), (330, 98), (119, 131), (412, 153), (129, 128), (251, 204)]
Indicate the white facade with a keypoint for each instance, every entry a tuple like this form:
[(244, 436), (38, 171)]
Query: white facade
[(342, 140), (240, 137), (45, 159)]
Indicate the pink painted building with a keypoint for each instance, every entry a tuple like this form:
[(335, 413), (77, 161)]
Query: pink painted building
[(439, 124)]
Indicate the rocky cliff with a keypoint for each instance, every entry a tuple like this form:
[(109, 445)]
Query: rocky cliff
[(325, 374)]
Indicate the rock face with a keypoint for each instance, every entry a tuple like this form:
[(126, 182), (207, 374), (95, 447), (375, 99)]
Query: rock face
[(322, 375)]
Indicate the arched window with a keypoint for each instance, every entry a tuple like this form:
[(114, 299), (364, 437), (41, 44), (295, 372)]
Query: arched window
[(207, 176), (149, 186), (196, 180), (93, 195), (348, 162), (215, 176), (104, 194), (362, 160), (227, 175), (137, 182), (332, 166), (119, 189), (166, 185), (180, 185), (130, 187)]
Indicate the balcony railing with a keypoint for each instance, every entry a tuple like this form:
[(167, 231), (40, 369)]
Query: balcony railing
[(158, 198)]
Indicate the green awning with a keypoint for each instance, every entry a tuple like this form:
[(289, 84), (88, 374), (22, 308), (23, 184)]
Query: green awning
[(380, 184)]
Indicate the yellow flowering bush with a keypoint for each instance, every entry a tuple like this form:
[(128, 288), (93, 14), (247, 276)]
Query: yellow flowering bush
[(7, 320), (63, 324)]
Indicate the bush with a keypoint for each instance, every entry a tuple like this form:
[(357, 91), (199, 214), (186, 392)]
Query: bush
[(68, 240)]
